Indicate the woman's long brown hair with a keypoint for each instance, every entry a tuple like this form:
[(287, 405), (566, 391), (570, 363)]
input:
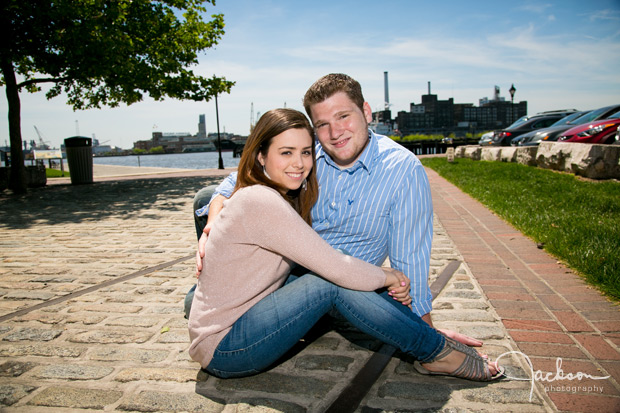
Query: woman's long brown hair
[(250, 171)]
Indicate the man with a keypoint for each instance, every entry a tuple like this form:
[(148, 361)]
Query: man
[(374, 199)]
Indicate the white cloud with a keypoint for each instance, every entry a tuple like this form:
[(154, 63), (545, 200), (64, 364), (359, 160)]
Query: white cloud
[(607, 14), (534, 7)]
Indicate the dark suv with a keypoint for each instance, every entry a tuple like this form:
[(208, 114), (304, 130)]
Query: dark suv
[(526, 124)]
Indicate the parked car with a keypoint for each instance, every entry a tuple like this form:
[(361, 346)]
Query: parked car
[(602, 131), (486, 138), (527, 124), (553, 134)]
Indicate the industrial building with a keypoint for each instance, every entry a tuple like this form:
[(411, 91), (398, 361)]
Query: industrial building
[(435, 116), (179, 142)]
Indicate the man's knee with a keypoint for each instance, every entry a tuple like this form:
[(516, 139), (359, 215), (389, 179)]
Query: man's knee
[(187, 303), (203, 196)]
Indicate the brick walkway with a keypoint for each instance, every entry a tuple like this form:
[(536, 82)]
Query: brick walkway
[(93, 277), (547, 309)]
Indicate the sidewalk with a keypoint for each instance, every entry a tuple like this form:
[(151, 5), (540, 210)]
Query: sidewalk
[(549, 312), (93, 278)]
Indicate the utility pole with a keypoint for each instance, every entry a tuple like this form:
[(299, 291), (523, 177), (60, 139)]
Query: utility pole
[(219, 143)]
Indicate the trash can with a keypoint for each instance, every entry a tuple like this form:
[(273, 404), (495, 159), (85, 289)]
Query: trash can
[(80, 158)]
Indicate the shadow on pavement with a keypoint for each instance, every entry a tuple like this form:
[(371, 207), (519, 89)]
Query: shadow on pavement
[(59, 204)]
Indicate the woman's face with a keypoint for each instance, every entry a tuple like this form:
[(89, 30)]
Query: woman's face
[(289, 158)]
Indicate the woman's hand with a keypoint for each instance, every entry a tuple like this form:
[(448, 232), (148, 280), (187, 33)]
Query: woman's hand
[(200, 253), (215, 207), (398, 285)]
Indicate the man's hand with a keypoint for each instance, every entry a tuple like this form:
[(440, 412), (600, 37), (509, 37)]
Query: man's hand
[(398, 285), (470, 341)]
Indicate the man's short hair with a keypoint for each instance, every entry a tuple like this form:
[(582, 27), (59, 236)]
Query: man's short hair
[(329, 85)]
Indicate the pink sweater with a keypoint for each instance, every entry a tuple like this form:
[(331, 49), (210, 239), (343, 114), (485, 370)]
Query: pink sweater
[(249, 253)]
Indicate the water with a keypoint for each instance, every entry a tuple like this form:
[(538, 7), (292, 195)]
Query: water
[(192, 160)]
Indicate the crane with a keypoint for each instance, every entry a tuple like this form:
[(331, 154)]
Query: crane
[(42, 144)]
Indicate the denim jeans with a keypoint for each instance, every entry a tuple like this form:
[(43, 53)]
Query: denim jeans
[(275, 324)]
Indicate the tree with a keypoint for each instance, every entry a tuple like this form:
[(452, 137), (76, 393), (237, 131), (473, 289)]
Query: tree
[(103, 52)]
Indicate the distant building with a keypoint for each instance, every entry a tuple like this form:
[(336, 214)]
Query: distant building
[(444, 116), (202, 127), (177, 142)]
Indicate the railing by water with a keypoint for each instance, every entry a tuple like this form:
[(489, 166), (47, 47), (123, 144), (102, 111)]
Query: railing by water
[(434, 147)]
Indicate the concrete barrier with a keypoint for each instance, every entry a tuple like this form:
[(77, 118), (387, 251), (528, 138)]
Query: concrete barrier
[(472, 152), (508, 154), (587, 160), (526, 155), (490, 153)]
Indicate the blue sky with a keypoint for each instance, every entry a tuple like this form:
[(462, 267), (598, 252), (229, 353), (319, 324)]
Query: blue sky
[(558, 54)]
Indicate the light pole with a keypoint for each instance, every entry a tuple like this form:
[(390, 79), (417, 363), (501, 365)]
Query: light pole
[(512, 91), (219, 143)]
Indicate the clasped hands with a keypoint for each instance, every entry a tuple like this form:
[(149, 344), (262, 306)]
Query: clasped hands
[(397, 285)]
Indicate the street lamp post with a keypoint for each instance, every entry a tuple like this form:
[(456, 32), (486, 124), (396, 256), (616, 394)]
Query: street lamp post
[(219, 143), (512, 91)]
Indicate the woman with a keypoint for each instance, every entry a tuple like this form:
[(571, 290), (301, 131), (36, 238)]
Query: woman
[(244, 317)]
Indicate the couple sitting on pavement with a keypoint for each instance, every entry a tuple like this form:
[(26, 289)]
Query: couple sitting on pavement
[(374, 201)]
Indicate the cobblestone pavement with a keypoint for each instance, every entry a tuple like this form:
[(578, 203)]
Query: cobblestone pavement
[(91, 289)]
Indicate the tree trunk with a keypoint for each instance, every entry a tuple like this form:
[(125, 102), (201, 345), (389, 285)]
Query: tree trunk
[(17, 182)]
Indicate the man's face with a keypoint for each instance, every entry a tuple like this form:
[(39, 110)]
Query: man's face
[(341, 127)]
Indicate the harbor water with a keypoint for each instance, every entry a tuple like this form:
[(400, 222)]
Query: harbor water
[(192, 160)]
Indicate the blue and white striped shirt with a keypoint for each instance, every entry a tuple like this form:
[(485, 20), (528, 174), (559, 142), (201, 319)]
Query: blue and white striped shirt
[(379, 207)]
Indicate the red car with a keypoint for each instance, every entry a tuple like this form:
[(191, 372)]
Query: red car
[(601, 131)]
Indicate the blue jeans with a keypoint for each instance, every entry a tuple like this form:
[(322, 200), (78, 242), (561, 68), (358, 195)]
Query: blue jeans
[(275, 324)]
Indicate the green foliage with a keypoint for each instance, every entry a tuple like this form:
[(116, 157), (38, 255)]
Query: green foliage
[(137, 151), (417, 137), (157, 149), (577, 221), (102, 52)]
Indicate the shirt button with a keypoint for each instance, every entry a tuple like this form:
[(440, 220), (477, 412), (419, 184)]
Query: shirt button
[(339, 177), (333, 205)]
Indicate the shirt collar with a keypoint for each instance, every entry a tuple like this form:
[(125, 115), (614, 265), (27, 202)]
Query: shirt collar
[(364, 161)]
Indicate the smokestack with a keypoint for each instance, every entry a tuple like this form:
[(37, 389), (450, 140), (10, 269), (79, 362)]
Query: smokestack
[(429, 88), (385, 90)]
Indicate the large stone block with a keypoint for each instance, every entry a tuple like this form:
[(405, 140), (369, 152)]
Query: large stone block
[(553, 155), (490, 154), (526, 155), (594, 161), (473, 152), (508, 154), (459, 151), (584, 159)]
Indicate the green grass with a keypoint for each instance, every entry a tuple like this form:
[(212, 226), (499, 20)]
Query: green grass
[(578, 221), (55, 173)]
